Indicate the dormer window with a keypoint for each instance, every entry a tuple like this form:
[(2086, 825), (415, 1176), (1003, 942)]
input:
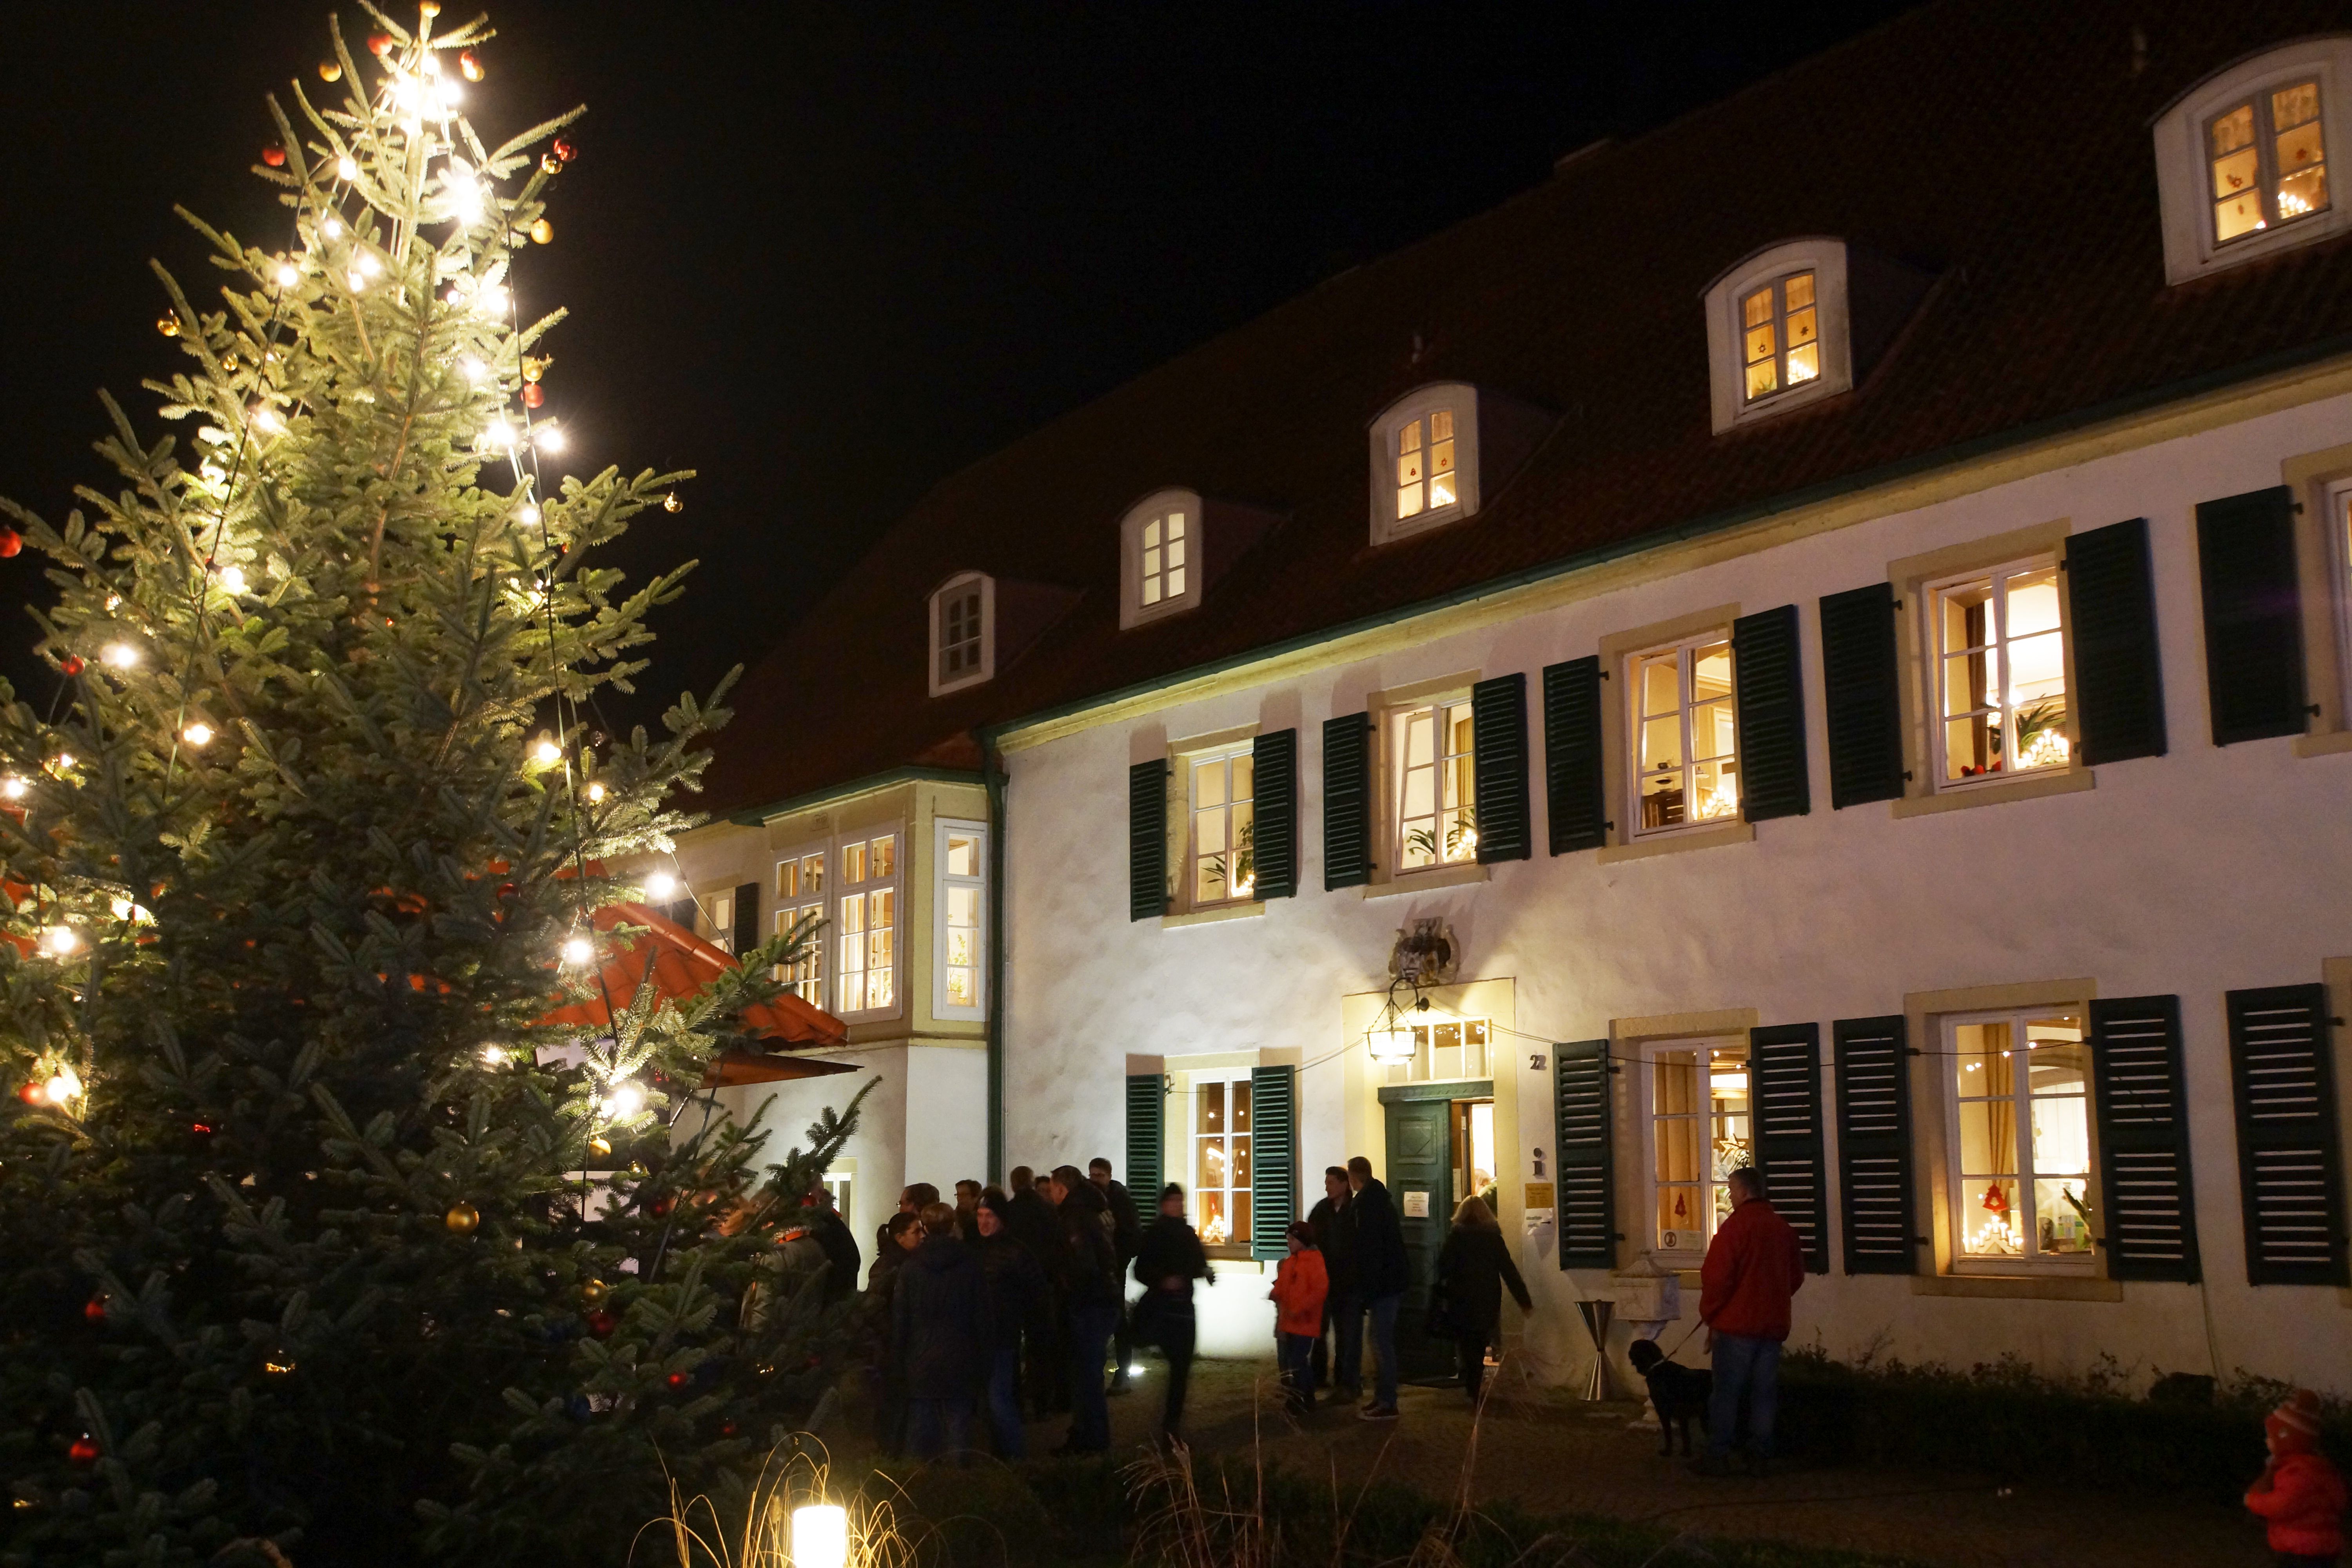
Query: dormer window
[(2242, 158), (1425, 462), (1162, 563), (1783, 336), (1778, 336), (963, 626)]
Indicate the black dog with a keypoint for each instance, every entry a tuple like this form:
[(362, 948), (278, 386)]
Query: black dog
[(1677, 1393)]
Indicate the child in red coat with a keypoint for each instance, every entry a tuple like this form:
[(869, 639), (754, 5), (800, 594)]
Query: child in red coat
[(2299, 1494), (1300, 1284)]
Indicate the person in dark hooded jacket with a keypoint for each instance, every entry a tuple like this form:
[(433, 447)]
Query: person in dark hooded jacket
[(1091, 1298), (1167, 1263), (840, 1247), (936, 1333), (1031, 1214), (1013, 1295)]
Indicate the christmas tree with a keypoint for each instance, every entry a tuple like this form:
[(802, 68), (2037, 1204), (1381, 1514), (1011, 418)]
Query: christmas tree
[(303, 1253)]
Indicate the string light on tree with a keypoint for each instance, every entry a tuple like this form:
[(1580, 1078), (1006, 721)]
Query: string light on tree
[(578, 950), (197, 734)]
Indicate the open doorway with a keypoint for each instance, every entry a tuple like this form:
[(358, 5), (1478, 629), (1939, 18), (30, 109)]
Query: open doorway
[(1441, 1150)]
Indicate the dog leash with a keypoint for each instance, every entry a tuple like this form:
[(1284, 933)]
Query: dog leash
[(1669, 1355)]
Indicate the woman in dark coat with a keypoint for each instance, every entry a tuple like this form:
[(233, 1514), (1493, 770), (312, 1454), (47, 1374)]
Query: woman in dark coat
[(1167, 1263), (935, 1315), (1091, 1296), (1471, 1270), (1013, 1295)]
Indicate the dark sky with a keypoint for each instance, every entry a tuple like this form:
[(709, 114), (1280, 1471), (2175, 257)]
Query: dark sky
[(826, 254)]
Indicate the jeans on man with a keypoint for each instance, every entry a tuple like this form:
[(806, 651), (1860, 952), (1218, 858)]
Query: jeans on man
[(1348, 1344), (1746, 1366), (1384, 1351), (1004, 1403), (936, 1427), (1295, 1354), (1090, 1332)]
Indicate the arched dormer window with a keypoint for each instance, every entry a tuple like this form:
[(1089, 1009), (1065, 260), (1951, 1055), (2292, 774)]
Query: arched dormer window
[(1777, 334), (1425, 461), (963, 632), (1163, 569), (2243, 157)]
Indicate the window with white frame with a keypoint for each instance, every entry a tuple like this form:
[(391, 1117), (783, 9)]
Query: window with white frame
[(1425, 461), (1999, 673), (2243, 157), (1434, 786), (1781, 336), (800, 898), (1448, 1050), (723, 918), (2020, 1131), (1221, 789), (1685, 739), (963, 618), (1778, 334), (1221, 1160), (1160, 547), (1700, 1129), (866, 924), (959, 911)]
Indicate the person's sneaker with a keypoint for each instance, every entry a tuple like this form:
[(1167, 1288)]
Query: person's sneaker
[(1710, 1465), (1377, 1413)]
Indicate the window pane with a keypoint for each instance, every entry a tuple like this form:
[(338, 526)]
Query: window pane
[(1989, 1138), (1762, 377), (1408, 438), (1711, 671), (1802, 327), (1213, 1214), (812, 873), (2063, 1218), (1980, 1059), (2233, 130), (960, 988), (2062, 1135), (1240, 1158), (1176, 530), (1441, 457), (1760, 343), (1796, 294), (1213, 1108), (852, 913), (1209, 783), (1441, 424), (1716, 787), (2300, 155), (1990, 1221), (853, 863), (2303, 192), (1176, 582), (1241, 766), (1661, 685), (1805, 364), (2238, 214), (1970, 746), (1241, 1104), (963, 856), (1662, 743), (1681, 1223), (1756, 309), (2032, 602), (1408, 501), (1441, 491), (886, 855)]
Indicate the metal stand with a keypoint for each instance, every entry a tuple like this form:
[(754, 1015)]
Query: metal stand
[(1596, 1319)]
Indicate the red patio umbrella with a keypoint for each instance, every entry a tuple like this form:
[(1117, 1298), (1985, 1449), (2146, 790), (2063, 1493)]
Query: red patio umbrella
[(682, 964)]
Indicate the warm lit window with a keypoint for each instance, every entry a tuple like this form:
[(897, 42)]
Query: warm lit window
[(1999, 673), (2021, 1134), (1223, 827), (1685, 734), (1163, 565), (1781, 336), (800, 898), (962, 615), (1435, 785), (723, 919), (2270, 161), (961, 905), (866, 924), (1424, 465), (1701, 1129), (1448, 1051), (1425, 461), (1166, 544), (1221, 1161)]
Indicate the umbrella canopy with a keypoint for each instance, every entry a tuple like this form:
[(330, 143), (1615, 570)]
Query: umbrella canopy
[(682, 964)]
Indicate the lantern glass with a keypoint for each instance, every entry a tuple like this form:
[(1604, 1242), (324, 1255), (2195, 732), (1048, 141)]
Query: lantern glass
[(1392, 1043), (820, 1536)]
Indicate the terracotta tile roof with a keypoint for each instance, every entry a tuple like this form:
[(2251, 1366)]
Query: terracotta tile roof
[(2004, 147)]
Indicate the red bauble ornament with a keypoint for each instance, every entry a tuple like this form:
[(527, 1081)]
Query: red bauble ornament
[(200, 1128), (565, 149), (11, 542), (469, 66), (727, 1429), (661, 1207), (678, 1380), (95, 1309), (72, 665), (531, 399), (601, 1324), (84, 1451), (506, 890), (274, 155), (379, 43), (32, 1094)]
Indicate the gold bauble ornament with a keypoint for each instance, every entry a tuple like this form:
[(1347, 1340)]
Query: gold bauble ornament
[(428, 8), (593, 1290), (551, 164), (671, 503), (168, 324), (329, 70), (463, 1218), (542, 231)]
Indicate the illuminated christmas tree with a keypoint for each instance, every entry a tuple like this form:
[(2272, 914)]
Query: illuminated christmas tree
[(298, 1258)]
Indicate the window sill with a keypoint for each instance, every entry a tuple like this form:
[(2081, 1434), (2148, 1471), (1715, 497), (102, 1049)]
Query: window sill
[(2020, 1287), (2066, 781), (1675, 843), (1212, 914), (2324, 745), (1425, 881)]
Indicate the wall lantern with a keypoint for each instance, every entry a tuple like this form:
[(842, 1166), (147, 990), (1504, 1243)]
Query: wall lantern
[(1389, 1039)]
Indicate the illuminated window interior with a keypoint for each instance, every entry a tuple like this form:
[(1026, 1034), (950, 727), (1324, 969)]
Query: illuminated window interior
[(1223, 827), (1702, 1131), (800, 895), (960, 891), (1781, 336), (2000, 663), (867, 923), (1166, 545), (1686, 735), (959, 632), (1221, 1161), (1448, 1050), (1436, 785), (722, 920), (1425, 479), (2269, 159), (2022, 1137)]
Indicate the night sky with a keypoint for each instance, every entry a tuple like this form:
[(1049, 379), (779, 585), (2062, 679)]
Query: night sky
[(828, 254)]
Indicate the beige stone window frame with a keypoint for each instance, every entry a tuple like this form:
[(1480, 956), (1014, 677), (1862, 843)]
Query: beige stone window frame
[(1389, 708), (1618, 651), (2322, 484), (1912, 578), (1184, 908), (1632, 1042)]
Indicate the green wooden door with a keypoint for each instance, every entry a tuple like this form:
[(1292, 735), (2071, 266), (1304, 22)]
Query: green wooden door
[(1421, 1183)]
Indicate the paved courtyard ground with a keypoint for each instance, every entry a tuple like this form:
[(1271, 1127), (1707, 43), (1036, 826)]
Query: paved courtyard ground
[(1556, 1456)]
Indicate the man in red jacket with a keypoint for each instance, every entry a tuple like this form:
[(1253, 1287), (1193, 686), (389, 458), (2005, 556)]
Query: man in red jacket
[(1754, 1265)]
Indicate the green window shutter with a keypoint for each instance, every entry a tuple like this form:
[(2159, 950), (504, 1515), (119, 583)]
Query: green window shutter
[(1273, 1159), (1862, 696), (1274, 813), (1584, 1134), (2118, 677), (1574, 796), (1768, 708), (2289, 1156), (1873, 1123), (2150, 1216), (747, 917), (1498, 748), (1347, 801), (1146, 1136), (2254, 616), (1147, 840), (1784, 1068)]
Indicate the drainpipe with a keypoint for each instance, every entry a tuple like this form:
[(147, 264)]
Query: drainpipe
[(992, 773)]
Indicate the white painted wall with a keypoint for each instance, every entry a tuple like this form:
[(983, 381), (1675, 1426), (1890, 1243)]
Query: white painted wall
[(2194, 873)]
